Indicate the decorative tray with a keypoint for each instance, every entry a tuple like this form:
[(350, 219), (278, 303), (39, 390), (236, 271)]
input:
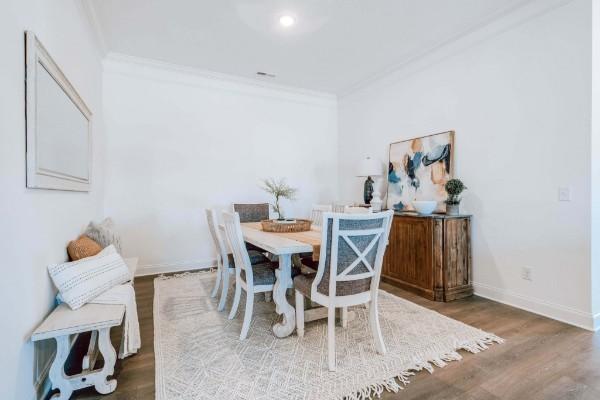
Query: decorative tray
[(286, 226)]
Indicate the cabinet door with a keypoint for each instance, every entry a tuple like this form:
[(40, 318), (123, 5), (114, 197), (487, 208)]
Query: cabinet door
[(457, 253), (409, 254)]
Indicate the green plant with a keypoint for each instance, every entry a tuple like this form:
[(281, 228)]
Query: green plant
[(278, 189), (454, 187)]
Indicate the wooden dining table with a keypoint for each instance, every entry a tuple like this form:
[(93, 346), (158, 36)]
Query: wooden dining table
[(283, 245)]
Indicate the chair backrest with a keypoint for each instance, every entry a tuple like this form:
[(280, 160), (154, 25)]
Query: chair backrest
[(352, 252), (215, 233), (235, 238), (339, 207), (252, 212), (357, 210), (317, 213)]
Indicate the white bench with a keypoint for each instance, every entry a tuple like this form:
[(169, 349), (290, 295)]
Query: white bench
[(64, 322), (64, 325)]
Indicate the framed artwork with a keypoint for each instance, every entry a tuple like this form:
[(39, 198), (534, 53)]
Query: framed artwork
[(58, 125), (418, 170)]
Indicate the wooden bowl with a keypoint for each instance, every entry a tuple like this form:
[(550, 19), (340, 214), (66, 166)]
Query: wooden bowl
[(300, 225)]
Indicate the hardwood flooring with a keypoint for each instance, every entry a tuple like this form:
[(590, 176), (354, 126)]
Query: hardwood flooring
[(541, 359)]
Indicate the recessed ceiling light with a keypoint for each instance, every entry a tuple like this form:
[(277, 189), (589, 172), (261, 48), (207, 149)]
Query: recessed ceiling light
[(286, 21)]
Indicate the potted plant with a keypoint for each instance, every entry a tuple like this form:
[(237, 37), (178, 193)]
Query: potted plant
[(279, 189), (454, 187)]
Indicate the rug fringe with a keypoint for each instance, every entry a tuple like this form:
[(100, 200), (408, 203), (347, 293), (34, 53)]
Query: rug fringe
[(400, 381), (164, 277)]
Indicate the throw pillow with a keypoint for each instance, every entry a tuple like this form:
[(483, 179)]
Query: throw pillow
[(81, 281), (104, 233), (83, 247)]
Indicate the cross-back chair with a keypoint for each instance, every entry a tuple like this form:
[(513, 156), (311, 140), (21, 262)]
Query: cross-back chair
[(348, 273)]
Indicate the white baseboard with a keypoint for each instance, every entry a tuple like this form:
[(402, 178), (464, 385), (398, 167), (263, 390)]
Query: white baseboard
[(176, 266), (597, 322), (558, 312)]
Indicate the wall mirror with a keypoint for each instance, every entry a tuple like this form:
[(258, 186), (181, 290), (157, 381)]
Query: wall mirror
[(59, 125)]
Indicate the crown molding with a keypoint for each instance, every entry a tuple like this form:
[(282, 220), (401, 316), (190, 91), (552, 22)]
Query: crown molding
[(87, 7), (140, 67), (494, 25)]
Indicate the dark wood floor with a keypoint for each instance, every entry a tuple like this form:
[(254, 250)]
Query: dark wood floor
[(541, 359)]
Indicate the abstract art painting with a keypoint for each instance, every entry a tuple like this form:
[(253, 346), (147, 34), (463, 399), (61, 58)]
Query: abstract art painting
[(418, 170)]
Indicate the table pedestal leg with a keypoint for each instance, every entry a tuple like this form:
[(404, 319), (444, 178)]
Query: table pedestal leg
[(284, 280)]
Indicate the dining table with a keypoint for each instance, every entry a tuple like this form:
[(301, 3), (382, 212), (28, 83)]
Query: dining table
[(284, 246)]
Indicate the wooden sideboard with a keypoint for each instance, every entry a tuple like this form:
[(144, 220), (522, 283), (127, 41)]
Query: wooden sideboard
[(430, 255)]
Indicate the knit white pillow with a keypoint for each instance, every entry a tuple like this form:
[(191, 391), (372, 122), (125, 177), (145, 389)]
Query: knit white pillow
[(104, 233), (81, 281)]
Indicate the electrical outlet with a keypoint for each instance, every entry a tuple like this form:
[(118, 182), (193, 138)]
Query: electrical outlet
[(527, 273), (564, 194)]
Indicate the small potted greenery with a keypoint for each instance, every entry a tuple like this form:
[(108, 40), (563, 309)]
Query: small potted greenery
[(454, 187), (279, 189)]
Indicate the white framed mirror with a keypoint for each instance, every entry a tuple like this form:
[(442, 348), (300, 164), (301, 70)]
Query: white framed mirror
[(59, 125)]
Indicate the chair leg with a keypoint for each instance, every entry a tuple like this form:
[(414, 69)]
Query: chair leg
[(224, 290), (217, 282), (344, 317), (376, 328), (331, 337), (299, 313), (236, 299), (247, 314)]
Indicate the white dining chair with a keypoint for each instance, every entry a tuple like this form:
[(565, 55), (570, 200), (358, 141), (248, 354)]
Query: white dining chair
[(339, 207), (348, 273), (225, 261), (357, 210), (257, 278), (316, 215)]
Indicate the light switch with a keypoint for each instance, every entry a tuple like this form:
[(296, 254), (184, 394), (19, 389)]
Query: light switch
[(564, 194)]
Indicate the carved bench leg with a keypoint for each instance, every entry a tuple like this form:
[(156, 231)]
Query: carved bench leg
[(57, 370), (102, 384)]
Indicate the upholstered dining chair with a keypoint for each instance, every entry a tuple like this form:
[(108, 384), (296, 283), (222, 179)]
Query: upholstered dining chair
[(225, 261), (252, 212), (349, 270), (257, 278)]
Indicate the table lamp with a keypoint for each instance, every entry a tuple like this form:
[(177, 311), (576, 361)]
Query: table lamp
[(368, 168)]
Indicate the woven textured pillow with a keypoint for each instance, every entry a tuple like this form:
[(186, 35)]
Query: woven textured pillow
[(104, 233), (83, 247), (81, 281)]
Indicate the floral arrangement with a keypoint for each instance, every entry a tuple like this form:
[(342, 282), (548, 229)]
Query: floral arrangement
[(278, 189)]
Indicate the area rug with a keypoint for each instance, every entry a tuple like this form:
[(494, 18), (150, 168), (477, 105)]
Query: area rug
[(199, 354)]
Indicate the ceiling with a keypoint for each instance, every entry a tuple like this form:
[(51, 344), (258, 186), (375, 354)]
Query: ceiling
[(334, 46)]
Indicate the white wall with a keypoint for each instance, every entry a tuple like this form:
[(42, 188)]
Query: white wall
[(37, 224), (517, 93), (179, 141), (595, 156)]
